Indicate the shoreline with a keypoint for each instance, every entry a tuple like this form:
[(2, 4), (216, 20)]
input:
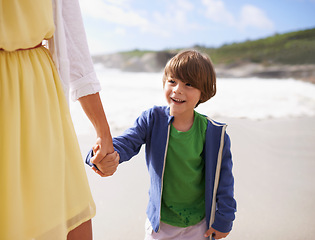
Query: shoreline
[(304, 73), (155, 62), (273, 168)]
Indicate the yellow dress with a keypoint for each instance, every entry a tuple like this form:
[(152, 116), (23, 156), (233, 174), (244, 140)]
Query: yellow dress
[(44, 192)]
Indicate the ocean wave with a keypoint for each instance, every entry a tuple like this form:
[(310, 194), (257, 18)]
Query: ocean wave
[(125, 95)]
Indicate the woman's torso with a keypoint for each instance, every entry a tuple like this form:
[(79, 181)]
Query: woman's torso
[(25, 23)]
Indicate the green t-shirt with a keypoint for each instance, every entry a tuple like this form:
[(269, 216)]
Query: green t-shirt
[(183, 196)]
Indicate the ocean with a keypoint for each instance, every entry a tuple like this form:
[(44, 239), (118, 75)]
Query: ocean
[(126, 94)]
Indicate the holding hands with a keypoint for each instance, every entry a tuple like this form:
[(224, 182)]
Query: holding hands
[(106, 163)]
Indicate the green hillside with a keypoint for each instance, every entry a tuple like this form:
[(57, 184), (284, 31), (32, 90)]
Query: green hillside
[(289, 48)]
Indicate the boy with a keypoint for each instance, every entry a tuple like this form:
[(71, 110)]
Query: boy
[(187, 154)]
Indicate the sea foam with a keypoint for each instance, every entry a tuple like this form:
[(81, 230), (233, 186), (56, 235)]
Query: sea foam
[(125, 95)]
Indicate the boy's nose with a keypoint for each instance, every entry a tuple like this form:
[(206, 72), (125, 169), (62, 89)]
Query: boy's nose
[(177, 89)]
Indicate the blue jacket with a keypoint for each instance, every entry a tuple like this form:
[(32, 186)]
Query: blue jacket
[(152, 128)]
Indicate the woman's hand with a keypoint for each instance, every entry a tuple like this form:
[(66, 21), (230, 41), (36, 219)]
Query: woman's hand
[(106, 162)]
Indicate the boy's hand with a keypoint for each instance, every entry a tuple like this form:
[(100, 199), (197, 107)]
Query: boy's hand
[(215, 234), (108, 165)]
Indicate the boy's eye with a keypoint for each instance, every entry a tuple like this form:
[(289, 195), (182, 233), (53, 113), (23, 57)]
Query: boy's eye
[(171, 81), (188, 85)]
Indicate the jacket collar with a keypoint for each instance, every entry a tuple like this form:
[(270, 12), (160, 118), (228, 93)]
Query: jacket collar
[(169, 117)]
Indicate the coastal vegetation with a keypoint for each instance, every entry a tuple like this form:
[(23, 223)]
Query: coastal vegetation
[(280, 56), (289, 48)]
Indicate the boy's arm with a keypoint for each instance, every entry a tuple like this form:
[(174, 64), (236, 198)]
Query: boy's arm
[(129, 143), (226, 204)]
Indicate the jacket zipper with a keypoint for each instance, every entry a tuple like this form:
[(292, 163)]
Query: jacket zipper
[(162, 178)]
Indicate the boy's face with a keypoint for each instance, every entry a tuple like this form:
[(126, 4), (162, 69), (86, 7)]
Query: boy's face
[(181, 97)]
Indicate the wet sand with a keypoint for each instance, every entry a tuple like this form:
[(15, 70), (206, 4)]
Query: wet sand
[(274, 169)]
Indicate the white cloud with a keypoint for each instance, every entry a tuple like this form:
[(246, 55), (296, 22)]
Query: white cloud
[(184, 5), (119, 2), (120, 31), (161, 22), (112, 12), (216, 11), (175, 18), (252, 16)]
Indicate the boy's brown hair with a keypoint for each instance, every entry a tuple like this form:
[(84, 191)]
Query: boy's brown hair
[(194, 68)]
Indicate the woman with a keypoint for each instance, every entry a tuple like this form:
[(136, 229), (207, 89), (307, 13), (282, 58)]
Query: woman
[(43, 185)]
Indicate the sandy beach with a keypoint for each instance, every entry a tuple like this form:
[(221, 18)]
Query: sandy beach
[(274, 162)]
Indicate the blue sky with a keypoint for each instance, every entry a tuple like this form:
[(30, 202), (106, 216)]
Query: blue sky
[(121, 25)]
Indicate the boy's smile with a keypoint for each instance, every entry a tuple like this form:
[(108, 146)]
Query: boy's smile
[(176, 100), (181, 97)]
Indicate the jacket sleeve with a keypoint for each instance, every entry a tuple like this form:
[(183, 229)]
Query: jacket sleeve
[(88, 159), (129, 143), (226, 204), (83, 80)]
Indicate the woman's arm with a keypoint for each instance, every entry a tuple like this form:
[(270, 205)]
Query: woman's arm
[(82, 78), (93, 108)]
